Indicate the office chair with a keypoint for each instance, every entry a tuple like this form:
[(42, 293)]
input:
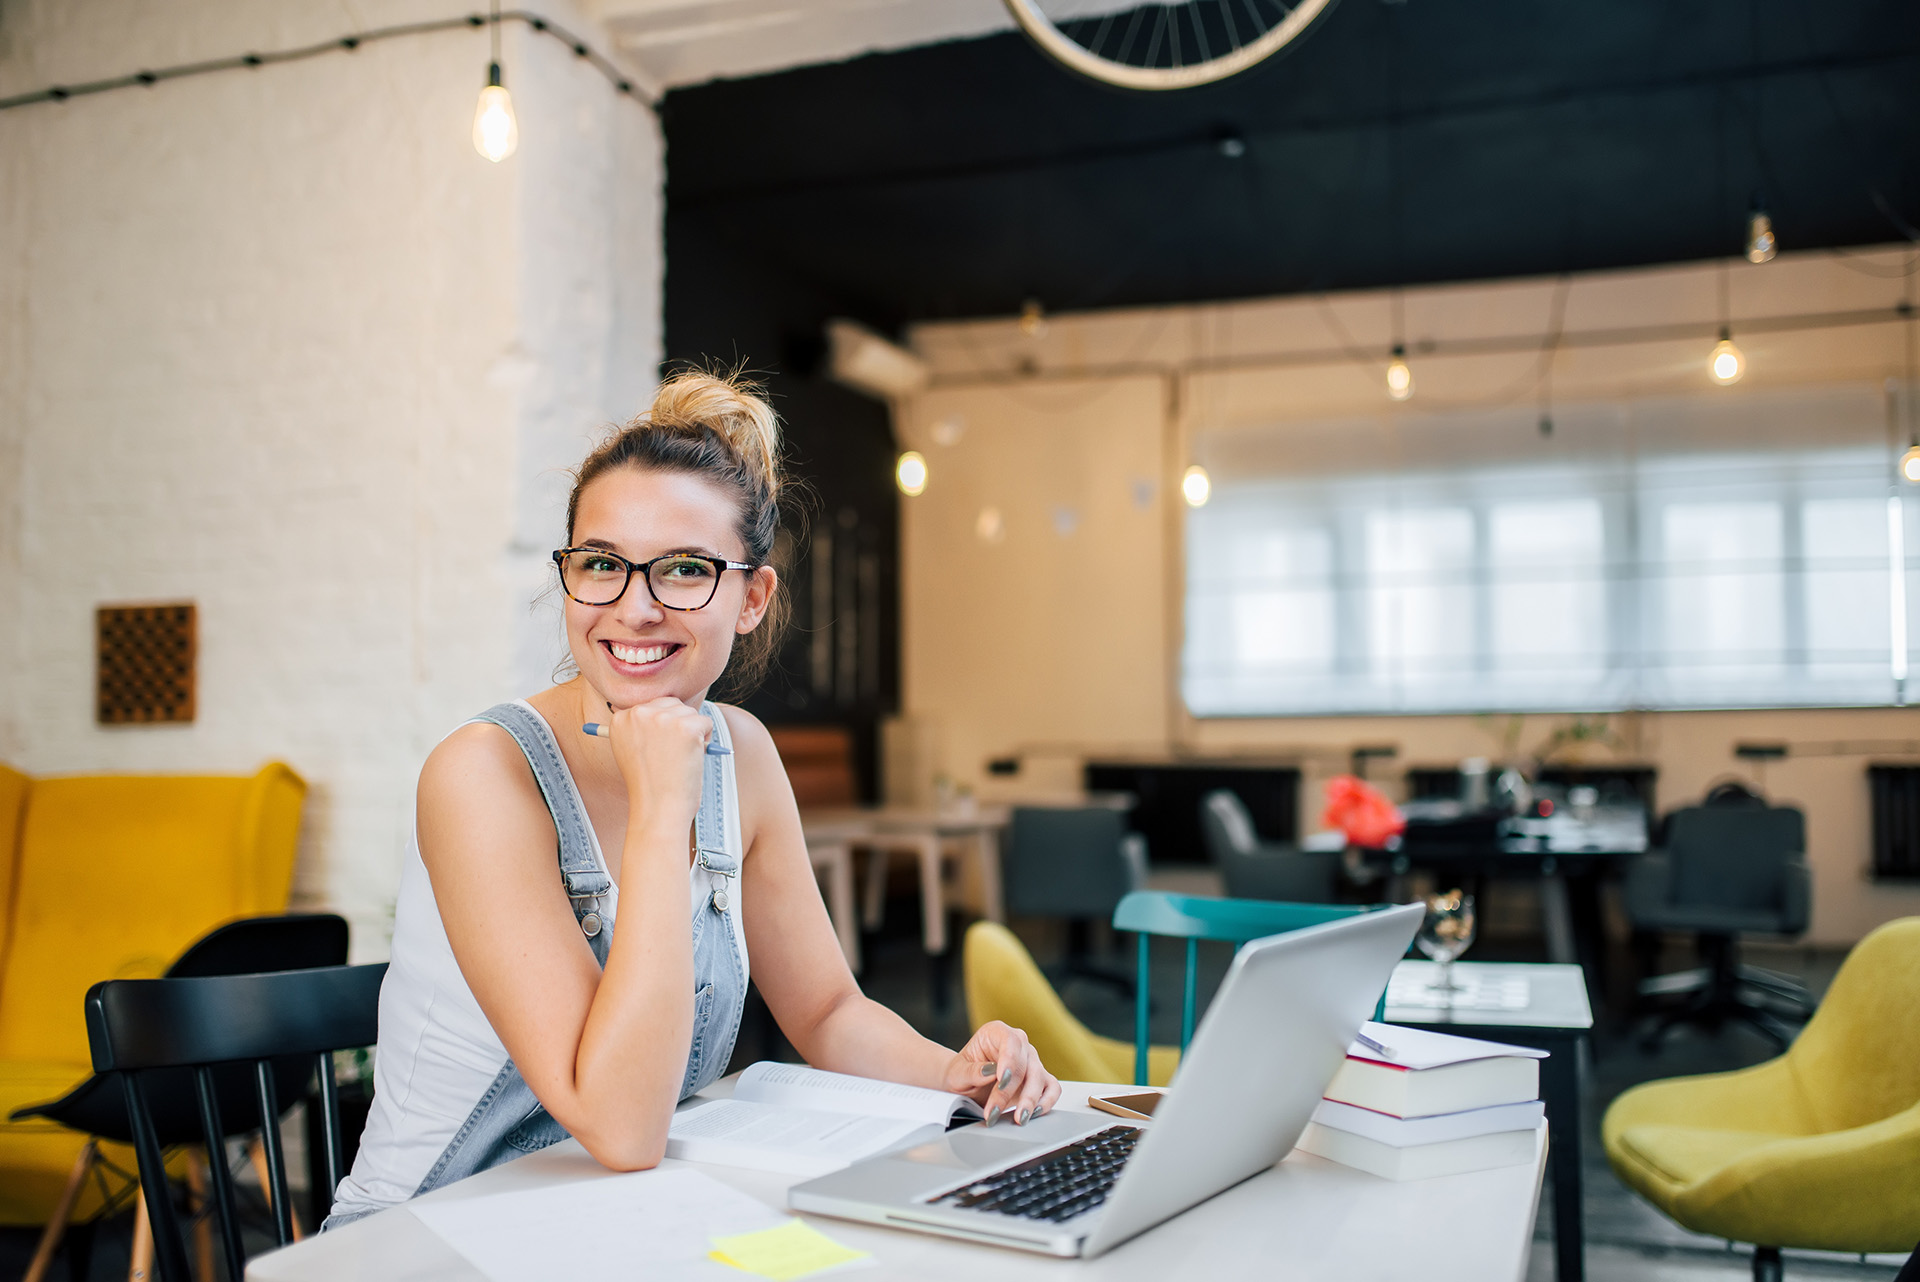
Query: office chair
[(1816, 1148), (1194, 918), (146, 1030), (1255, 869), (1075, 863), (1730, 866), (97, 1106), (1003, 983)]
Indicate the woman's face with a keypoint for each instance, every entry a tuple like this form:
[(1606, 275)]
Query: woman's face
[(636, 649)]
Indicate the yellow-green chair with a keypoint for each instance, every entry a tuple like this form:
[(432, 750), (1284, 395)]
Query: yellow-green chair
[(1004, 983), (112, 877), (1819, 1148)]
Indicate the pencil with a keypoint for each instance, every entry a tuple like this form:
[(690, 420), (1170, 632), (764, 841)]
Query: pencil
[(714, 747)]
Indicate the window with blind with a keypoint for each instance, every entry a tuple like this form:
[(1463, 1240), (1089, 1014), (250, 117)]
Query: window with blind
[(1735, 551)]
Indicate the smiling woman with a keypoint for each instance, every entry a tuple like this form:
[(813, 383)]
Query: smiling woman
[(511, 1016)]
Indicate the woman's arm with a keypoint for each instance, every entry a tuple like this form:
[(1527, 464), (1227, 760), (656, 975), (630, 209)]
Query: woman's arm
[(801, 972), (604, 1052)]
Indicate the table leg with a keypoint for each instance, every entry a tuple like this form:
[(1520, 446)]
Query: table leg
[(986, 847), (1557, 918), (835, 859), (875, 904), (1560, 1091), (933, 905)]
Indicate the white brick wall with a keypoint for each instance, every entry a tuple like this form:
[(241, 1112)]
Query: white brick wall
[(281, 343)]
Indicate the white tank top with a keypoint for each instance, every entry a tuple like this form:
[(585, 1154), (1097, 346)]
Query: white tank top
[(437, 1053)]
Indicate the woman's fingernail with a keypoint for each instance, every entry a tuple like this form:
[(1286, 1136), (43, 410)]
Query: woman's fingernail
[(1006, 1079), (1025, 1113), (986, 1069), (993, 1115)]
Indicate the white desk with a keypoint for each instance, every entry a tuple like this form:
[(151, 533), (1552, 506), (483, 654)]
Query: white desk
[(1555, 1018), (1306, 1218)]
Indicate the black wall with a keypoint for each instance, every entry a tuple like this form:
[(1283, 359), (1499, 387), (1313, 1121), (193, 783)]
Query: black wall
[(726, 306), (1395, 143)]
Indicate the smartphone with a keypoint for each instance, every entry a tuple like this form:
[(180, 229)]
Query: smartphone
[(1135, 1106)]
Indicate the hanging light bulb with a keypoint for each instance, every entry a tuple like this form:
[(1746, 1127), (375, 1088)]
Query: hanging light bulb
[(1726, 363), (910, 473), (1033, 319), (1761, 245), (495, 132), (1399, 377), (1197, 486), (1910, 463)]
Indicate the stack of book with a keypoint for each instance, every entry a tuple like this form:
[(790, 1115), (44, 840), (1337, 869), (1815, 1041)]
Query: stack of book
[(1416, 1104)]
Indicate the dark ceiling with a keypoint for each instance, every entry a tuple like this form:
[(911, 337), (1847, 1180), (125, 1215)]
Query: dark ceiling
[(1402, 142)]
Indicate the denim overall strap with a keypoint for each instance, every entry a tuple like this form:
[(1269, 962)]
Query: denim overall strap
[(508, 1120), (586, 883)]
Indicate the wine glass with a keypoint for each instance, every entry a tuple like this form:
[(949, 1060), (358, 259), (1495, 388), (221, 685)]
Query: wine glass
[(1446, 933)]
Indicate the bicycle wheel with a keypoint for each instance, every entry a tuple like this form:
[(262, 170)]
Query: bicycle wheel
[(1175, 45)]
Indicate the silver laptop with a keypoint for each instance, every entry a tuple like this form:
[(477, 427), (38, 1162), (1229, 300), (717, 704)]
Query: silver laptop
[(1073, 1184)]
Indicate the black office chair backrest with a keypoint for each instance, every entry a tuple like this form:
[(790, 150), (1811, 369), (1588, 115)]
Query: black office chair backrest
[(1733, 856), (251, 945), (1227, 826), (1255, 869), (142, 1027), (288, 941), (1065, 862)]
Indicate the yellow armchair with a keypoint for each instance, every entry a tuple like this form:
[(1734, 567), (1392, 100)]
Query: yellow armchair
[(1003, 983), (1818, 1148), (109, 877)]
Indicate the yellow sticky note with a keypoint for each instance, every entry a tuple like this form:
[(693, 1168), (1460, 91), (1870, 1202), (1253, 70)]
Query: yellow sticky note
[(794, 1250)]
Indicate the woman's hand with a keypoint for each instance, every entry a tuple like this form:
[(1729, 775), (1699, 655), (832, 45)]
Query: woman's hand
[(660, 747), (1000, 1069)]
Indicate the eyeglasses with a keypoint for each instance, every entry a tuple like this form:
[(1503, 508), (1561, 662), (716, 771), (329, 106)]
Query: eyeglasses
[(678, 581)]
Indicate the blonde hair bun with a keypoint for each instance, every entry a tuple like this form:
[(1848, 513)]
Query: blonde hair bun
[(728, 405)]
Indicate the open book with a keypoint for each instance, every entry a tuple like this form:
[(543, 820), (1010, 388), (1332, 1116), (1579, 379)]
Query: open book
[(803, 1121)]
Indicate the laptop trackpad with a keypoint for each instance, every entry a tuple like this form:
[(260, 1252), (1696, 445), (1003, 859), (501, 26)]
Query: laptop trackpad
[(973, 1147)]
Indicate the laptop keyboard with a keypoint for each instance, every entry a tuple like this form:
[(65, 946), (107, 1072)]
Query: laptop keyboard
[(1054, 1186)]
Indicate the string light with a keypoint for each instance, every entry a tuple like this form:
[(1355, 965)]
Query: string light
[(1761, 244), (1399, 376), (1726, 363), (910, 473), (1910, 463), (495, 132), (1197, 486)]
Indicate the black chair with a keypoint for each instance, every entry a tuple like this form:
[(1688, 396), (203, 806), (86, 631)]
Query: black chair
[(1732, 866), (143, 1029), (98, 1107), (1073, 863), (1256, 869)]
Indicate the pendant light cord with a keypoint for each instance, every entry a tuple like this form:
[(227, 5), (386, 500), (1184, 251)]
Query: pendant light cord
[(620, 80)]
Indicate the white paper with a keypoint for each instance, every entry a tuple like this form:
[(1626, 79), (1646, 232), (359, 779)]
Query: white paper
[(797, 1086), (772, 1137), (1420, 1048), (652, 1224)]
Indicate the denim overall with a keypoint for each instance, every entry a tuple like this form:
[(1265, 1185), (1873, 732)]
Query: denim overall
[(508, 1120)]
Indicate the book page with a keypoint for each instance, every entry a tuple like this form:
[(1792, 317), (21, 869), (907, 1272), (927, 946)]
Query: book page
[(797, 1086), (773, 1137)]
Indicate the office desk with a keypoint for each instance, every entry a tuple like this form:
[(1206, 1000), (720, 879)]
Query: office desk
[(1305, 1218), (1555, 1019), (926, 833), (1569, 852)]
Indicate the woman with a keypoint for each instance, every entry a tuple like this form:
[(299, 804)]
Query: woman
[(514, 1013)]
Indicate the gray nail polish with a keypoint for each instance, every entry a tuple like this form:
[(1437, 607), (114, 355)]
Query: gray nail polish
[(993, 1115), (1025, 1113), (986, 1069), (1006, 1079)]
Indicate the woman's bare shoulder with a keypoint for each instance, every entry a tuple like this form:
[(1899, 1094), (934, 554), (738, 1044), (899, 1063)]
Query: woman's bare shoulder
[(476, 781), (747, 731)]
